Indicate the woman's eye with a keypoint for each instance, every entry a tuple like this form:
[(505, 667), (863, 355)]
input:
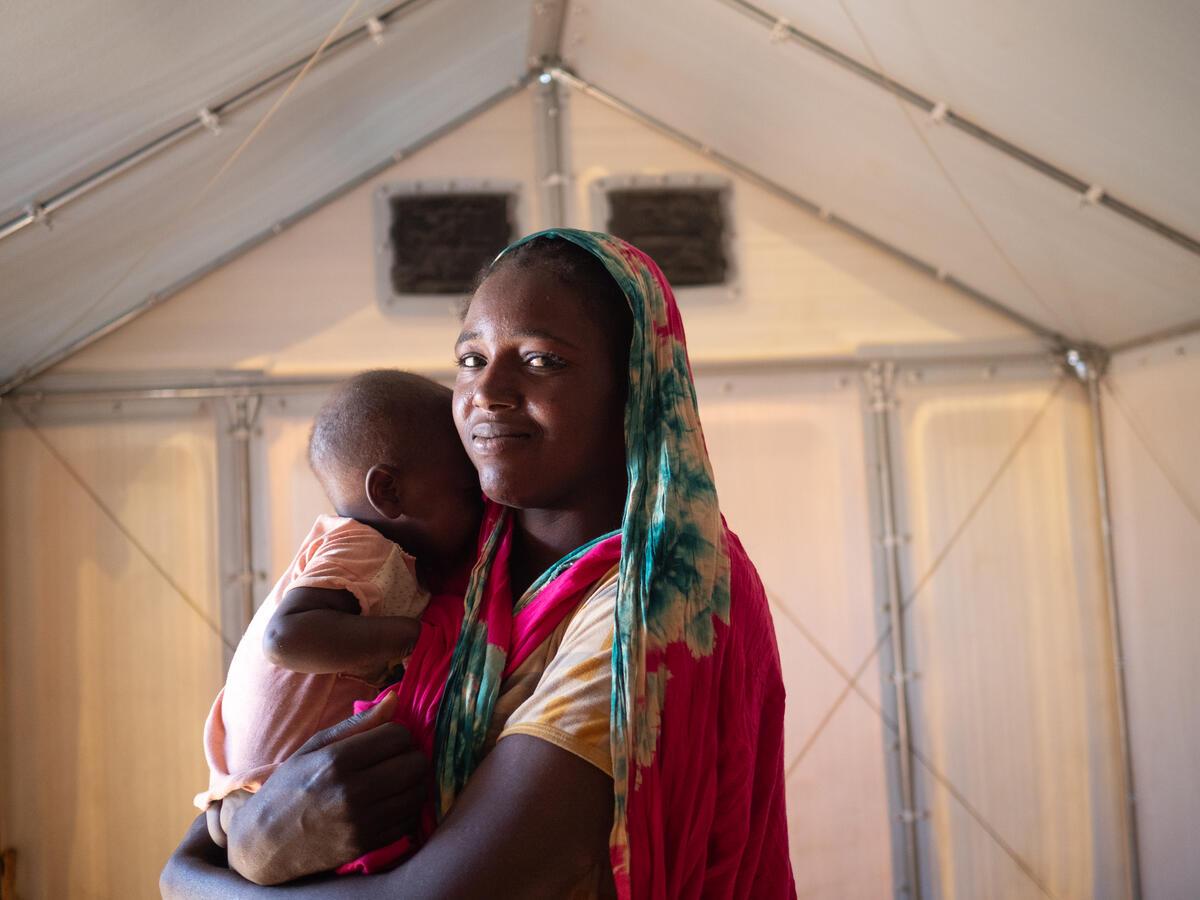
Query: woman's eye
[(543, 361), (470, 361)]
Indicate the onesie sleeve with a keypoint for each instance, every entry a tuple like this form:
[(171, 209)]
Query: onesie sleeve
[(570, 705), (357, 558)]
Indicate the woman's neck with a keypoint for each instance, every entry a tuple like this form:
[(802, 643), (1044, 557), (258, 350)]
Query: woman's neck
[(543, 536)]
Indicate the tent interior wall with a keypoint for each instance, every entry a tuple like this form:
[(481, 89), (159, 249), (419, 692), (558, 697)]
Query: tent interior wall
[(926, 486)]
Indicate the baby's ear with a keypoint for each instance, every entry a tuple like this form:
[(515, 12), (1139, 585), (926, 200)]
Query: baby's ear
[(383, 489)]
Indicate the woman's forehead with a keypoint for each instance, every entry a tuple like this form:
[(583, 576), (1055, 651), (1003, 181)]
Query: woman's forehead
[(528, 302)]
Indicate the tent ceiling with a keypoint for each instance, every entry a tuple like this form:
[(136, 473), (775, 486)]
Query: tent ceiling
[(142, 232), (1104, 92), (86, 82), (835, 138)]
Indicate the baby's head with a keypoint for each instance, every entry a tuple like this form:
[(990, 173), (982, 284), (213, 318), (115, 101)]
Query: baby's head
[(386, 451)]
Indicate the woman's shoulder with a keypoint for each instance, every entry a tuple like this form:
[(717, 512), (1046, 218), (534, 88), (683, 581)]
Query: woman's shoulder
[(599, 602), (569, 702)]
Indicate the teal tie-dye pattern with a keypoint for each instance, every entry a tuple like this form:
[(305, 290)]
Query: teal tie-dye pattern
[(674, 569)]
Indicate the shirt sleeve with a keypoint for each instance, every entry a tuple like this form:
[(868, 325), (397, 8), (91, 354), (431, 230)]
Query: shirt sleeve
[(570, 705), (356, 558)]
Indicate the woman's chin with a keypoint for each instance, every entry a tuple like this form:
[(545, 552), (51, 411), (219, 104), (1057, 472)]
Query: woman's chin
[(506, 492)]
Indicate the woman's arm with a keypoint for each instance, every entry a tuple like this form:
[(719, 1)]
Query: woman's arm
[(533, 820), (321, 630)]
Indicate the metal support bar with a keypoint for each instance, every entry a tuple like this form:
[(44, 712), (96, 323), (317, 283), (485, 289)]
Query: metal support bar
[(1089, 365), (282, 385), (243, 418), (553, 174), (1185, 329), (546, 32), (780, 28), (937, 273), (545, 51), (199, 122), (53, 359), (881, 398)]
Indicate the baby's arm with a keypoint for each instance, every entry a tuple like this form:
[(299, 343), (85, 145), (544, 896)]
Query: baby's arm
[(320, 630)]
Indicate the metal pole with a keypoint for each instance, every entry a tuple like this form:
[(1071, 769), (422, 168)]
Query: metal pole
[(275, 385), (550, 145), (245, 414), (1186, 329), (881, 398), (1095, 363)]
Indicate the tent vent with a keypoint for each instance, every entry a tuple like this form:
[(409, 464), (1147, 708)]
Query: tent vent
[(434, 238), (682, 221)]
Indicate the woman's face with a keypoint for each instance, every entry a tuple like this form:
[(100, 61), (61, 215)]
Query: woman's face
[(539, 400)]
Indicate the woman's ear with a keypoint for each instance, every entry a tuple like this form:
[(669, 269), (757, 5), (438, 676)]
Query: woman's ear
[(383, 490)]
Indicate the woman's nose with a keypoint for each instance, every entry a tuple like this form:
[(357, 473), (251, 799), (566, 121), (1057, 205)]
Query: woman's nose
[(495, 388)]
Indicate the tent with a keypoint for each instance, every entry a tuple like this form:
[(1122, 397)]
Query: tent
[(949, 386)]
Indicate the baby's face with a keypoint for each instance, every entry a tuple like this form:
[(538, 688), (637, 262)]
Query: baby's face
[(441, 502)]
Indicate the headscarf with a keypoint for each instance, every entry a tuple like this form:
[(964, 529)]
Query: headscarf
[(696, 708)]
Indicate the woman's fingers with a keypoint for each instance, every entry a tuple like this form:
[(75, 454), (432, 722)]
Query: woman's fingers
[(398, 772), (404, 804), (366, 749), (392, 818), (401, 783), (356, 724)]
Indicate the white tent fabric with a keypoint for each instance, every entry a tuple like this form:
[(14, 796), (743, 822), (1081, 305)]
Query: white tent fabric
[(1156, 524), (1093, 87), (142, 233), (947, 199), (110, 588), (1009, 637), (86, 82)]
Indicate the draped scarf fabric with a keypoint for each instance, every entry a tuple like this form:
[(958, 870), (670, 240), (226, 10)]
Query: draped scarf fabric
[(696, 713), (500, 635)]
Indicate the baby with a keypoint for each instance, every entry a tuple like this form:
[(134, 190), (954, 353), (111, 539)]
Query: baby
[(344, 614)]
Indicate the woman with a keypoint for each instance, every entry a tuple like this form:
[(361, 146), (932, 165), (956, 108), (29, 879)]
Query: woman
[(581, 420)]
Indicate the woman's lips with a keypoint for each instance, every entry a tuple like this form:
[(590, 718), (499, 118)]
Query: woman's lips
[(496, 437)]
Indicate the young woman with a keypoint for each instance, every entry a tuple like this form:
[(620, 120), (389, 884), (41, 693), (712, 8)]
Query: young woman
[(610, 709)]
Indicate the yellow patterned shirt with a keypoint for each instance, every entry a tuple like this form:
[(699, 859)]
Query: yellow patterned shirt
[(561, 694)]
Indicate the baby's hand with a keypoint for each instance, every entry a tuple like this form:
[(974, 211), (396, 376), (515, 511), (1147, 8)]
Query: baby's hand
[(388, 674), (398, 636)]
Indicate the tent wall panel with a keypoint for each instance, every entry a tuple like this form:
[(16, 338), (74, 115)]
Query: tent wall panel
[(1153, 440), (107, 672), (1012, 704), (787, 451), (289, 495)]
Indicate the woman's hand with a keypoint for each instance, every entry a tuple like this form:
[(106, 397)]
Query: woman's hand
[(533, 821), (351, 788)]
